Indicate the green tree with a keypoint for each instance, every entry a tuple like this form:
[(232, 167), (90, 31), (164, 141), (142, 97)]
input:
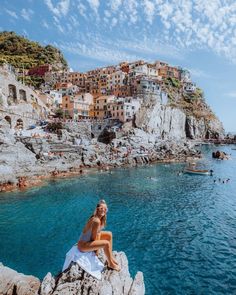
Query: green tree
[(59, 113)]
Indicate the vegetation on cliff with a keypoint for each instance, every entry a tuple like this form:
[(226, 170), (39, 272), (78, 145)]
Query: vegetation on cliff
[(193, 104), (19, 51), (22, 53)]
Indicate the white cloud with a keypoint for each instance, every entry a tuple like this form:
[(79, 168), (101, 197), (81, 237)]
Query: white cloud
[(60, 28), (60, 9), (74, 21), (131, 8), (45, 24), (114, 22), (231, 94), (185, 24), (200, 24), (27, 14), (94, 4), (149, 9), (11, 13), (114, 4), (82, 10), (108, 51)]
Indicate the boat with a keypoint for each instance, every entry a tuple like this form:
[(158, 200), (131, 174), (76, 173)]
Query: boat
[(199, 172)]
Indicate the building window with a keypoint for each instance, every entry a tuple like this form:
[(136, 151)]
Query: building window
[(66, 105)]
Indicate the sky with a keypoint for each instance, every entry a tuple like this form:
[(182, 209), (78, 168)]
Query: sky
[(198, 35)]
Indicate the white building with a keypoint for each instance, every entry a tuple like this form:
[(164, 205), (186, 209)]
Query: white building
[(146, 85), (152, 71), (189, 87), (82, 104), (56, 97), (185, 75), (115, 79), (123, 108)]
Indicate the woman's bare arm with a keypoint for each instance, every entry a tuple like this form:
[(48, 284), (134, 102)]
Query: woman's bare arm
[(95, 228)]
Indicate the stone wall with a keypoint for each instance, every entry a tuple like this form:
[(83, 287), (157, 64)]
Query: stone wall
[(17, 99)]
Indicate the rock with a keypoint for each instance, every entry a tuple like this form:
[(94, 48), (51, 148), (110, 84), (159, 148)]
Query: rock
[(14, 283), (200, 128), (75, 280), (47, 285), (163, 121), (137, 287), (106, 136)]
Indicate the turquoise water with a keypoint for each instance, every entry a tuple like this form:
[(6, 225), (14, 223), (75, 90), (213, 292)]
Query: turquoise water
[(180, 231)]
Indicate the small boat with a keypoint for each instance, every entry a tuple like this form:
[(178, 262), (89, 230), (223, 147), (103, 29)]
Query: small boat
[(199, 172)]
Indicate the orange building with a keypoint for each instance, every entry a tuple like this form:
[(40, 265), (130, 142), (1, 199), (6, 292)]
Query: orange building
[(100, 106), (68, 106), (169, 72)]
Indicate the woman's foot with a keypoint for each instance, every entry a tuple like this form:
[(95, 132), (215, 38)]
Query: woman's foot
[(114, 261), (113, 266)]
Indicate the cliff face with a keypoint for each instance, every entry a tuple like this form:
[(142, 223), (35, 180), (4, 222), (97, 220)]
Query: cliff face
[(178, 119), (163, 121), (201, 128)]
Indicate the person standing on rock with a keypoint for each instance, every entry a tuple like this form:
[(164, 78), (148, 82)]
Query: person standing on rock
[(93, 238)]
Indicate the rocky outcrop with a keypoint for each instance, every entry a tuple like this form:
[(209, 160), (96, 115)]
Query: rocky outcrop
[(74, 281), (163, 121), (166, 121), (200, 128), (14, 156), (14, 283)]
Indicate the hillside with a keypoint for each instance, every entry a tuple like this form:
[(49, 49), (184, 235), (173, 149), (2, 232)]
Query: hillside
[(19, 51), (23, 53), (192, 104)]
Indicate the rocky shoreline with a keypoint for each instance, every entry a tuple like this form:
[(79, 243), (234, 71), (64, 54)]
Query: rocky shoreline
[(74, 280), (29, 161)]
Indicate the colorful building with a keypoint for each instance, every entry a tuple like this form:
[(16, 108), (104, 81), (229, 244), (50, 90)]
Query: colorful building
[(40, 70)]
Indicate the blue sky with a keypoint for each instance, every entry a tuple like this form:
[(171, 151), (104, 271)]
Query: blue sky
[(198, 35)]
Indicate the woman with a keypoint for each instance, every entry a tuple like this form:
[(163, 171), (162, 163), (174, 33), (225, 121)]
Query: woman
[(93, 239)]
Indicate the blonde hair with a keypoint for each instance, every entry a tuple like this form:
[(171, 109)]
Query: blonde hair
[(104, 218)]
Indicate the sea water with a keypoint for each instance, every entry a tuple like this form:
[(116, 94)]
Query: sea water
[(178, 229)]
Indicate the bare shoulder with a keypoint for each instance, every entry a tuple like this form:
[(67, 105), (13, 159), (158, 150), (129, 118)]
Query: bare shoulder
[(96, 221)]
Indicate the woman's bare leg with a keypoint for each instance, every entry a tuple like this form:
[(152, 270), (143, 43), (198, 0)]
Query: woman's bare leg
[(107, 235), (96, 245)]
